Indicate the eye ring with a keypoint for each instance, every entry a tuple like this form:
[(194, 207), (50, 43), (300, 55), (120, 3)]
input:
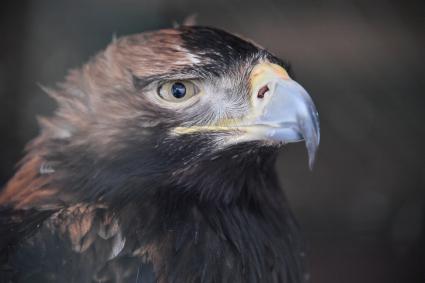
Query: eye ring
[(177, 91)]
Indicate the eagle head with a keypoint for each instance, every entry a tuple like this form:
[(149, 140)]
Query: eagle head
[(159, 160), (176, 106)]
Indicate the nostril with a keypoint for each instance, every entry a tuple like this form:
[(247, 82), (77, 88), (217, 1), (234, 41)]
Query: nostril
[(262, 91)]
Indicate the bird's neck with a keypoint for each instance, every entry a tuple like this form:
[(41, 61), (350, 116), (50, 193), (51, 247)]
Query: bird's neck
[(251, 239)]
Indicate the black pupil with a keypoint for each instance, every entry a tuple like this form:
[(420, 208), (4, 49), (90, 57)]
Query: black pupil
[(178, 90)]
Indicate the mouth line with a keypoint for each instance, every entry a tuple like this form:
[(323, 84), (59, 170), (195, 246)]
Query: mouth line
[(283, 125), (242, 127), (282, 133)]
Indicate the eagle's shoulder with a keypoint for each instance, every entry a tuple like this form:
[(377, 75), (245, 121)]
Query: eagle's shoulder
[(80, 243)]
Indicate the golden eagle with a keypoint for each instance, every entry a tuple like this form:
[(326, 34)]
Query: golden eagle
[(158, 166)]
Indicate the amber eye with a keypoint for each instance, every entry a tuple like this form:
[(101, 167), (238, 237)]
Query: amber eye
[(177, 91)]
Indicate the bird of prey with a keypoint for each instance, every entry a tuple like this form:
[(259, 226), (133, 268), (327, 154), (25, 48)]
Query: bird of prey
[(158, 166)]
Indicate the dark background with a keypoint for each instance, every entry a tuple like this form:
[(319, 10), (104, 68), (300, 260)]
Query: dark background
[(363, 62)]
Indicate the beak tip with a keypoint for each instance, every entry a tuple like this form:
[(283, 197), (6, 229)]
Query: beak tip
[(311, 160), (312, 145)]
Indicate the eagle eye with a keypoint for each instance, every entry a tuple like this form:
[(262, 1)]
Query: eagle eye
[(177, 91)]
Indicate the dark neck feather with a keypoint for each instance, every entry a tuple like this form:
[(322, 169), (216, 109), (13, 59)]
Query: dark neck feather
[(216, 219), (253, 238)]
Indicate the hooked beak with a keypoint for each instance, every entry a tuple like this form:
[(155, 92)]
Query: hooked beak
[(282, 110)]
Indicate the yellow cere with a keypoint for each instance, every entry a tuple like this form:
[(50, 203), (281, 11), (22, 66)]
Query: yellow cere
[(265, 71), (261, 75)]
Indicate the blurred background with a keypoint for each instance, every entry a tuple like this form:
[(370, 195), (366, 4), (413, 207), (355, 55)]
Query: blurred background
[(363, 62)]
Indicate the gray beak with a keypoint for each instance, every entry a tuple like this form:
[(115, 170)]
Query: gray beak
[(287, 115), (292, 115)]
